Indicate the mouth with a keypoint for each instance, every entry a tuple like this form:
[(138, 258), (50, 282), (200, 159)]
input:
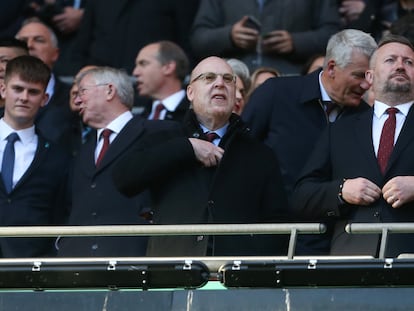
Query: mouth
[(219, 96), (400, 76)]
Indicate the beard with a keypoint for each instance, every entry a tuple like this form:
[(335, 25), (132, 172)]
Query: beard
[(391, 87)]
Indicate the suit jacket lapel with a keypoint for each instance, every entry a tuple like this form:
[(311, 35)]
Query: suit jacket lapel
[(132, 130), (363, 136), (41, 151)]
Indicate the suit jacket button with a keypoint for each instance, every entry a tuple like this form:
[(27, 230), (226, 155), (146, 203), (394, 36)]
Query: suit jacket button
[(200, 238), (93, 185), (376, 214), (94, 247)]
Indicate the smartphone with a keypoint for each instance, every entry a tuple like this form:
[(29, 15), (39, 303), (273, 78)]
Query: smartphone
[(253, 23)]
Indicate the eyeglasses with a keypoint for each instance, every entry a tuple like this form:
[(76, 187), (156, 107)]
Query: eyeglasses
[(210, 77), (82, 90)]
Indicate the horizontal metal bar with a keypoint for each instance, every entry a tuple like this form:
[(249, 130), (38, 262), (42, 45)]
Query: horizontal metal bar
[(377, 228), (155, 230)]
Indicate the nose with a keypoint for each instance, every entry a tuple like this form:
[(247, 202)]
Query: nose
[(365, 84), (24, 95), (219, 81)]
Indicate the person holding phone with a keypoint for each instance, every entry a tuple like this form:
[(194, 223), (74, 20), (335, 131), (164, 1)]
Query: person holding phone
[(278, 34)]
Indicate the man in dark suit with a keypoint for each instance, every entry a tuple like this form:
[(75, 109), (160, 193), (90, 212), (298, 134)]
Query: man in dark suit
[(54, 120), (105, 98), (349, 177), (290, 113), (36, 194), (232, 179), (160, 70)]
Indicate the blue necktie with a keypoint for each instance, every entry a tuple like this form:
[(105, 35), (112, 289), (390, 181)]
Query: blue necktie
[(7, 165)]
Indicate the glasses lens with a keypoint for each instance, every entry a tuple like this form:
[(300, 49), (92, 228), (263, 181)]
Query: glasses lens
[(228, 78), (210, 77)]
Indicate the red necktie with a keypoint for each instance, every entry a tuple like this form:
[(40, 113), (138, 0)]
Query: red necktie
[(211, 136), (160, 107), (105, 135), (387, 139)]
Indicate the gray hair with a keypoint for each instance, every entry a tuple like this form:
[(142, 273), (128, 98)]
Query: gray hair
[(342, 44), (117, 77), (241, 70), (53, 37)]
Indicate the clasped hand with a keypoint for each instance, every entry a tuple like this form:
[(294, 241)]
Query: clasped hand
[(361, 191)]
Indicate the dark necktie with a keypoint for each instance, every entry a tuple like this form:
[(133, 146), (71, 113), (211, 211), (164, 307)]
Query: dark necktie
[(160, 107), (8, 162), (212, 136), (387, 139), (105, 136)]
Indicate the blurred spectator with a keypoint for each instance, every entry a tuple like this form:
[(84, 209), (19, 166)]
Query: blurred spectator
[(54, 120), (314, 63), (160, 71), (64, 17), (242, 73), (259, 76), (113, 31), (404, 26), (373, 16), (81, 131), (11, 17), (9, 49), (279, 34)]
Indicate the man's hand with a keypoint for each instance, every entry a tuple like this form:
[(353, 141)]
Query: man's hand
[(360, 191), (244, 37), (350, 10), (68, 21), (207, 153), (278, 41), (399, 191)]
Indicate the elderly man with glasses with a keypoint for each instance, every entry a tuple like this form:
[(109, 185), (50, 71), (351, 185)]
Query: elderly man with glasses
[(207, 169)]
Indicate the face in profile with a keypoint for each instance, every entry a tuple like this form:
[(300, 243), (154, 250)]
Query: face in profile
[(348, 84)]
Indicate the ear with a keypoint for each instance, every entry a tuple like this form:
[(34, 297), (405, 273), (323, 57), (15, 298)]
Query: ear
[(45, 99), (110, 92), (190, 93), (330, 68), (369, 76), (2, 90), (169, 68)]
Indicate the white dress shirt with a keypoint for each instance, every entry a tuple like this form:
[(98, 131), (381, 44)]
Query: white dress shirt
[(379, 118), (25, 148), (170, 103), (115, 126)]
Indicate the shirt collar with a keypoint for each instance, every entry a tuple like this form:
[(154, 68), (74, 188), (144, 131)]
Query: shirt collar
[(220, 132), (325, 96), (51, 87), (380, 108), (117, 124), (25, 135), (171, 102)]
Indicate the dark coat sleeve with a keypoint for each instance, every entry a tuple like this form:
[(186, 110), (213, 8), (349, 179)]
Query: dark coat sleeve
[(316, 194), (161, 155)]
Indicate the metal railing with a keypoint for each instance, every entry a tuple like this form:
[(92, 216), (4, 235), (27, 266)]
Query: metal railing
[(156, 230), (380, 228)]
